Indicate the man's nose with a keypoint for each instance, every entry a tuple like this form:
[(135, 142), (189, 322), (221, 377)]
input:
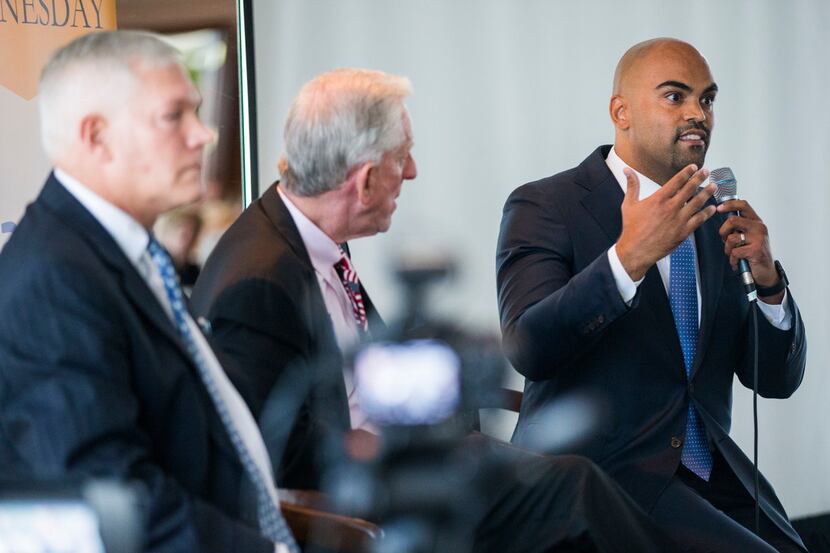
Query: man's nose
[(410, 171), (694, 112), (199, 134)]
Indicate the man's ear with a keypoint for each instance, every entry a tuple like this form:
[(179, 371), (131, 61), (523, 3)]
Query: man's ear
[(619, 112), (364, 183), (92, 136)]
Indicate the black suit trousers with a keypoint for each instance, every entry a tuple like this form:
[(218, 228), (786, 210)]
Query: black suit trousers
[(716, 516), (545, 504)]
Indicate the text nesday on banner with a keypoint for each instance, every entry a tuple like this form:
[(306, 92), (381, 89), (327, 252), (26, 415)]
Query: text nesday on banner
[(30, 30)]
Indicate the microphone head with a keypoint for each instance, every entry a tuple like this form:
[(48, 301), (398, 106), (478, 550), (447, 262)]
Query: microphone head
[(727, 184)]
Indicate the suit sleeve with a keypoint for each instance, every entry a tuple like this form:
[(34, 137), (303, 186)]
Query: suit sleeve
[(68, 407), (550, 314), (782, 355)]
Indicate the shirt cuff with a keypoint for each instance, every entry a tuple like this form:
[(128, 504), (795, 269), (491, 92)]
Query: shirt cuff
[(626, 286), (280, 547), (778, 315)]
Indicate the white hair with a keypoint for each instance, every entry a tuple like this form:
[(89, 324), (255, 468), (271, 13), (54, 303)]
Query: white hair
[(93, 74), (339, 120)]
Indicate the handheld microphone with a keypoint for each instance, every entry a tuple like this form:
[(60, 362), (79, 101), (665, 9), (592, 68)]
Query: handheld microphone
[(727, 189)]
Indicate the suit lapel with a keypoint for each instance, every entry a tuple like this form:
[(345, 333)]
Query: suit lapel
[(146, 302), (281, 219), (377, 326), (70, 211), (327, 351), (655, 294), (604, 196), (59, 200), (710, 259), (603, 202)]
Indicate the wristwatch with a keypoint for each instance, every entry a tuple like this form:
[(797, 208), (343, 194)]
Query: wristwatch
[(783, 282)]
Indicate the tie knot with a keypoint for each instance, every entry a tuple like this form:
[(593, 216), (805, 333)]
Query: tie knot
[(164, 264), (156, 250), (344, 268)]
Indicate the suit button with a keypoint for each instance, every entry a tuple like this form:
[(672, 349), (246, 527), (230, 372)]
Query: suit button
[(676, 442), (600, 319), (691, 387)]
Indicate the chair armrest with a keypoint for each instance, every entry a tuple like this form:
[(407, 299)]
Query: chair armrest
[(311, 521)]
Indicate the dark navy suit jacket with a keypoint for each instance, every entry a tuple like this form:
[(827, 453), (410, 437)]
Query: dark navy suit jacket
[(94, 382), (568, 331)]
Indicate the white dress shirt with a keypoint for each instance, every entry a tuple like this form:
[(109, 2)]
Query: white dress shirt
[(325, 253), (778, 315), (133, 238)]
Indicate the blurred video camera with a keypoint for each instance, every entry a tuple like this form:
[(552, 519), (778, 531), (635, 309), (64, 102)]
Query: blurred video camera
[(420, 386)]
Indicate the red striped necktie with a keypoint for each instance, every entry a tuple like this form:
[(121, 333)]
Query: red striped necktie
[(348, 277)]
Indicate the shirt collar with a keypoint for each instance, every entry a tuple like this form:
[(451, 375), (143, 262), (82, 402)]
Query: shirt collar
[(128, 233), (616, 165), (323, 251)]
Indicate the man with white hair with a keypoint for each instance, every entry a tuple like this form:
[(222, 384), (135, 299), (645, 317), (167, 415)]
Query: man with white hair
[(103, 373), (284, 301)]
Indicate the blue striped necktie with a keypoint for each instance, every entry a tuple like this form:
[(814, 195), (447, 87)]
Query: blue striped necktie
[(271, 522), (683, 299)]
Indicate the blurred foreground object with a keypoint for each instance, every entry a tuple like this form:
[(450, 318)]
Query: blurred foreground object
[(98, 516)]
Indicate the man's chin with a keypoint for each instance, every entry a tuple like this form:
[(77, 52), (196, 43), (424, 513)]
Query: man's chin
[(384, 226), (693, 155), (187, 193)]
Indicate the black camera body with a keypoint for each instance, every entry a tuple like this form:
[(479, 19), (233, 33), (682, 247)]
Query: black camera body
[(421, 386)]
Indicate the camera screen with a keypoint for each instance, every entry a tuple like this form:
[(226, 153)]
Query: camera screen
[(409, 383), (53, 526)]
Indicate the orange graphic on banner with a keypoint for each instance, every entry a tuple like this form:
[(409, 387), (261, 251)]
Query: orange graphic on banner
[(30, 30)]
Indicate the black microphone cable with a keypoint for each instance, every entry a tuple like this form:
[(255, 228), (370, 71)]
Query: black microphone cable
[(727, 189), (753, 306)]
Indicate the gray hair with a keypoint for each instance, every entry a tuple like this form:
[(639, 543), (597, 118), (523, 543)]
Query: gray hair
[(339, 120), (92, 74)]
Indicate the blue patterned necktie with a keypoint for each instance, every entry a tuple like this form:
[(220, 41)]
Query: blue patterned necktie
[(271, 522), (683, 299)]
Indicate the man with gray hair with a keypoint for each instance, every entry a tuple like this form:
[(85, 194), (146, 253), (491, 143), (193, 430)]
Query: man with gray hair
[(284, 301), (104, 373), (273, 286)]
